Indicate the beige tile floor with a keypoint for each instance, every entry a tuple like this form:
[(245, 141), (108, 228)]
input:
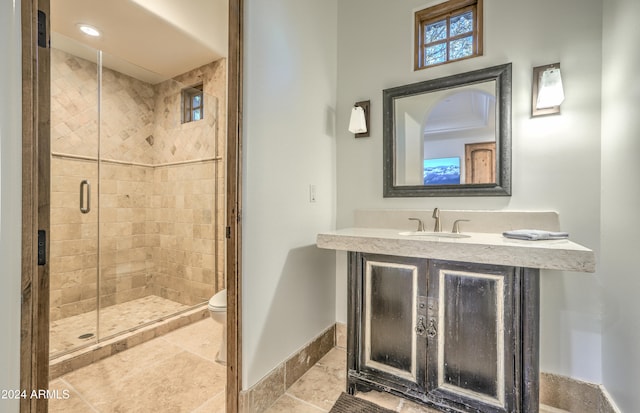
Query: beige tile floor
[(64, 334), (172, 373), (321, 386), (177, 373)]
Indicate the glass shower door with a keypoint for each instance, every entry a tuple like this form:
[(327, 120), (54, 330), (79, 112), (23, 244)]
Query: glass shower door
[(74, 195), (159, 218), (137, 195)]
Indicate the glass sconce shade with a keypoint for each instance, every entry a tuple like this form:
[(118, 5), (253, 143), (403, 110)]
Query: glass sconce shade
[(358, 123), (550, 91), (547, 92)]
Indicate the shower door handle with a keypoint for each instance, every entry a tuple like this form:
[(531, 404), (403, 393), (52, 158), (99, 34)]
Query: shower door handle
[(85, 186)]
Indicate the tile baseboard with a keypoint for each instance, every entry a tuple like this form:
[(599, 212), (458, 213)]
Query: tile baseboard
[(558, 392), (607, 404), (341, 335), (574, 395), (263, 394)]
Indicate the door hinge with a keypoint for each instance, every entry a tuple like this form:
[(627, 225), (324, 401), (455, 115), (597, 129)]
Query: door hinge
[(228, 232), (42, 29), (42, 247)]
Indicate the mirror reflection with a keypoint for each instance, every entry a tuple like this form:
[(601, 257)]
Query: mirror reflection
[(446, 137), (449, 136)]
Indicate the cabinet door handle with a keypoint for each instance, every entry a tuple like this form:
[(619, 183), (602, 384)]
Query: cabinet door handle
[(421, 328), (431, 330), (85, 209)]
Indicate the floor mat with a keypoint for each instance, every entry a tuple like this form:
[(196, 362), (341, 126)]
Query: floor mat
[(350, 404)]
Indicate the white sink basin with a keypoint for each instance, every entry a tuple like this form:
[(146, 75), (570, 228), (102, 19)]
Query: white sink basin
[(433, 234)]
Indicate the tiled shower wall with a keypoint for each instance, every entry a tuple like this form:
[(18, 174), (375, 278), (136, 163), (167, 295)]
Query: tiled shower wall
[(73, 239), (182, 233), (125, 259), (161, 188)]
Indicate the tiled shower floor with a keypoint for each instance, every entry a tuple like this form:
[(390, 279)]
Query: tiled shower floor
[(65, 334)]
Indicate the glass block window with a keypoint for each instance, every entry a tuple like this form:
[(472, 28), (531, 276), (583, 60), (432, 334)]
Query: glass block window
[(447, 32), (192, 104)]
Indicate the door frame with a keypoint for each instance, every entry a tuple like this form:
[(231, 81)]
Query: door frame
[(34, 323), (34, 289), (234, 205)]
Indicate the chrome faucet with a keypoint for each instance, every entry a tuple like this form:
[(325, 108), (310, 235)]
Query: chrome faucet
[(437, 226)]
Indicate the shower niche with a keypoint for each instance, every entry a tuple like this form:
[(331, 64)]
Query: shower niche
[(137, 196)]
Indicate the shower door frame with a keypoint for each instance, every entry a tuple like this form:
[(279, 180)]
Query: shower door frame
[(36, 154)]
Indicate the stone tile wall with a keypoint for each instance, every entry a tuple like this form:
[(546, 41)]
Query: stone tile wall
[(175, 141), (125, 259), (73, 239), (161, 191), (74, 105), (182, 232)]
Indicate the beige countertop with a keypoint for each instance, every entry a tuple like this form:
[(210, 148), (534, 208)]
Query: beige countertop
[(485, 248)]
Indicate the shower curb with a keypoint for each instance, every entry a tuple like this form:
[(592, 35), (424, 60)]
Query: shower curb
[(88, 355)]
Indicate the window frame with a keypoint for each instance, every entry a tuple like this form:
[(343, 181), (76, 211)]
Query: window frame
[(187, 95), (445, 11)]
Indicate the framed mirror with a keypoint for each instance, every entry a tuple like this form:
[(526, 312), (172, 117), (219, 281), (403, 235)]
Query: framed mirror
[(449, 136)]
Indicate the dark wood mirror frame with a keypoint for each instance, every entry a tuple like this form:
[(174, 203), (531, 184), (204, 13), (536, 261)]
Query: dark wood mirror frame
[(502, 187)]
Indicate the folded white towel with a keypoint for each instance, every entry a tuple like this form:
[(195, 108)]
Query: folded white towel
[(535, 234)]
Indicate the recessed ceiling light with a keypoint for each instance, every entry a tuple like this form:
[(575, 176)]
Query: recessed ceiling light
[(89, 30)]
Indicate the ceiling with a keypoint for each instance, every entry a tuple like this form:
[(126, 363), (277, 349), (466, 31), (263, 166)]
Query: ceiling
[(464, 110), (151, 40)]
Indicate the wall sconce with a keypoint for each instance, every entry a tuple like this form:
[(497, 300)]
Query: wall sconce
[(359, 122), (547, 92)]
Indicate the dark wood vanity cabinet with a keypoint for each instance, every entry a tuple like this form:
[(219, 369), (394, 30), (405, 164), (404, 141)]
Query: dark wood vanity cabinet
[(460, 337)]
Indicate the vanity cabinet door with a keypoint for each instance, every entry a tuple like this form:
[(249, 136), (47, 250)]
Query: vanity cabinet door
[(393, 301), (472, 334)]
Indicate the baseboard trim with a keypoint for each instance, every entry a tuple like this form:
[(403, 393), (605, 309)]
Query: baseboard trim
[(573, 395), (608, 405), (263, 394), (559, 392)]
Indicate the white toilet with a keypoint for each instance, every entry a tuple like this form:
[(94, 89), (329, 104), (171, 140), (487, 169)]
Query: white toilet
[(218, 311)]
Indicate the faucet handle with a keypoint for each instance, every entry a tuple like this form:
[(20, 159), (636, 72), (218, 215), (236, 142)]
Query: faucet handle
[(437, 227), (420, 224), (456, 225)]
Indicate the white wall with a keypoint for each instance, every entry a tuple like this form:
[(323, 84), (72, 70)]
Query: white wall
[(556, 159), (10, 199), (289, 144), (621, 202)]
